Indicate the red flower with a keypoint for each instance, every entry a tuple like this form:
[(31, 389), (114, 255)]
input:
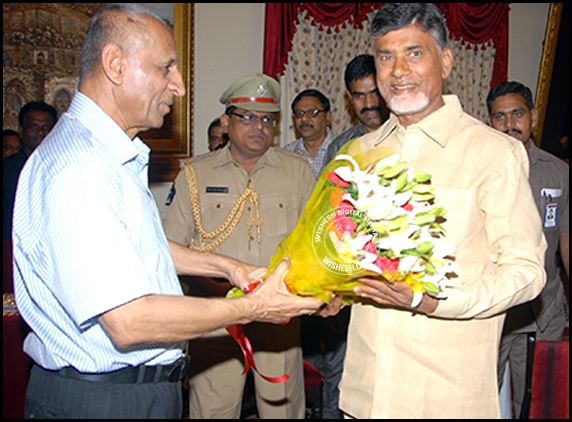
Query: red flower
[(335, 179), (387, 264), (342, 221), (407, 207), (370, 247)]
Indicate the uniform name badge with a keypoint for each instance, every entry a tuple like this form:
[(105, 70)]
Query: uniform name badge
[(550, 214)]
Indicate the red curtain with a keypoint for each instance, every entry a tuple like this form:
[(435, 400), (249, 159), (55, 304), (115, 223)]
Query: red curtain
[(476, 23)]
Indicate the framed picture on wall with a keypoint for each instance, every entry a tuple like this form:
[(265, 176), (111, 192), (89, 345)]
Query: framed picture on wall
[(174, 141), (553, 86)]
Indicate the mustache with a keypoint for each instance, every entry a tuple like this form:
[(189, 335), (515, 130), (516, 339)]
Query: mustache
[(304, 125), (512, 130), (365, 110)]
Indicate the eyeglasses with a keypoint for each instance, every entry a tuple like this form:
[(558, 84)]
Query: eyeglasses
[(311, 113), (252, 119)]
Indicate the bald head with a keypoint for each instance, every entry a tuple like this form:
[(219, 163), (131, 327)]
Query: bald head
[(129, 67), (125, 24)]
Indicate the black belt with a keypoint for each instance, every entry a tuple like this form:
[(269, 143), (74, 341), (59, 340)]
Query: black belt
[(133, 374)]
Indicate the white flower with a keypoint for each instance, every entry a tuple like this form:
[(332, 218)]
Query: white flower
[(366, 260), (348, 174), (402, 221)]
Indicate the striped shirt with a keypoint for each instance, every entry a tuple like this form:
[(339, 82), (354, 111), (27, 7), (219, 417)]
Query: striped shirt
[(87, 238)]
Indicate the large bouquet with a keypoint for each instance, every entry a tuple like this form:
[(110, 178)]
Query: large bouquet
[(368, 216)]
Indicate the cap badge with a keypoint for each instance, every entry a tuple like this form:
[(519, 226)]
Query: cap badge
[(261, 92)]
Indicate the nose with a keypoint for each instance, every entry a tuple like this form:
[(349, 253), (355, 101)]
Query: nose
[(401, 67), (305, 118), (509, 122), (371, 100), (258, 123), (43, 131), (176, 84)]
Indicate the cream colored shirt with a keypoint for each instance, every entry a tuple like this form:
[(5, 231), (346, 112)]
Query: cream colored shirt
[(404, 365)]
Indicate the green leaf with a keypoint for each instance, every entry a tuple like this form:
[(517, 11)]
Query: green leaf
[(438, 211), (401, 182), (380, 228), (423, 219), (423, 197), (397, 223), (421, 189), (430, 288), (424, 247), (234, 292), (421, 177), (395, 170), (430, 268)]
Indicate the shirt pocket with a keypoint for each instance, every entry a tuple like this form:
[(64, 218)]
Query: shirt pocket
[(279, 216), (215, 208)]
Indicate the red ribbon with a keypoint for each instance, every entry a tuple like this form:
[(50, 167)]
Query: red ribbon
[(237, 333)]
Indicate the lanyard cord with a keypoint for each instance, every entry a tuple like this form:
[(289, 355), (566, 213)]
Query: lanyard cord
[(228, 226)]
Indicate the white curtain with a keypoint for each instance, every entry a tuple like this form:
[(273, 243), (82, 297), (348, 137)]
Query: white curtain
[(320, 54)]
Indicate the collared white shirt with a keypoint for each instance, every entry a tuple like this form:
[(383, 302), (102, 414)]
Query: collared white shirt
[(87, 238)]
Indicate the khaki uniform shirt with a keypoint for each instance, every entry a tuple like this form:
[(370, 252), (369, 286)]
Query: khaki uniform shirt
[(404, 365), (282, 180)]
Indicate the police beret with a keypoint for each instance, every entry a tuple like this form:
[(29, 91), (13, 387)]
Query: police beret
[(255, 92)]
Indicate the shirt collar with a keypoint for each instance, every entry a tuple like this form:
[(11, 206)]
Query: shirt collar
[(359, 128), (438, 125), (329, 138), (533, 153), (270, 157), (107, 132), (301, 148)]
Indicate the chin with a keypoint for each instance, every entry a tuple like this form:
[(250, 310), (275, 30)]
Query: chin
[(408, 106), (158, 123)]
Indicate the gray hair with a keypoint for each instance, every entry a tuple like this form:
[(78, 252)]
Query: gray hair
[(121, 23)]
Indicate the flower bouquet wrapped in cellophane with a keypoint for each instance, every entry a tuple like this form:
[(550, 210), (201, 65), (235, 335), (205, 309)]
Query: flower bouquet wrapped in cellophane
[(369, 215)]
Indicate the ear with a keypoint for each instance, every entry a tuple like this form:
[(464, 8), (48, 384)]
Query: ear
[(446, 62), (113, 63), (224, 120), (350, 98), (534, 115)]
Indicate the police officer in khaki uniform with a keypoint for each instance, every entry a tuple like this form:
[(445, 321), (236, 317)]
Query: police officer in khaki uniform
[(242, 201)]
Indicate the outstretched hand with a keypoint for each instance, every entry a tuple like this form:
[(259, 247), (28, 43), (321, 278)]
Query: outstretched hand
[(332, 308), (397, 294), (272, 302), (245, 274)]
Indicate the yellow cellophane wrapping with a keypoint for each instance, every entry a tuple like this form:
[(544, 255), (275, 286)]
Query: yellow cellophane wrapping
[(307, 276)]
